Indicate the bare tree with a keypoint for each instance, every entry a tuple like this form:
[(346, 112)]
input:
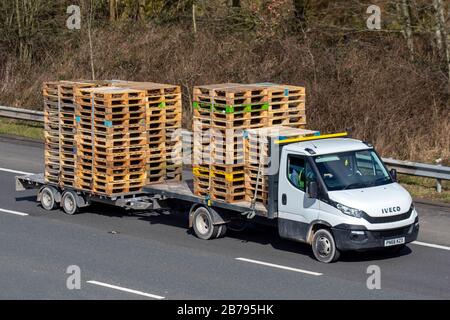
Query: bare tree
[(141, 9), (112, 10), (26, 15), (300, 9), (91, 50), (404, 11), (441, 34)]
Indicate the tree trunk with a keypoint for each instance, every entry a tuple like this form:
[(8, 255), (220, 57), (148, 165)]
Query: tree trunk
[(19, 30), (141, 10), (442, 36), (300, 10), (407, 26), (437, 4), (236, 3), (112, 10), (91, 50)]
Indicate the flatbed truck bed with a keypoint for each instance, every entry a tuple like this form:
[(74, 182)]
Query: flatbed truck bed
[(147, 198), (183, 190)]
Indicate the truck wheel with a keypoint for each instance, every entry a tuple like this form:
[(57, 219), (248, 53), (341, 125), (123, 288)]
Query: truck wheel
[(324, 247), (203, 225), (48, 198), (69, 202)]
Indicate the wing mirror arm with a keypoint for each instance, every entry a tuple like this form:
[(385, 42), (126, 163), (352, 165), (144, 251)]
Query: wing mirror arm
[(312, 190), (393, 173)]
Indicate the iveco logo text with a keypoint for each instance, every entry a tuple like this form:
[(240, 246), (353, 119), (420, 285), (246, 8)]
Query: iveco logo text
[(390, 210)]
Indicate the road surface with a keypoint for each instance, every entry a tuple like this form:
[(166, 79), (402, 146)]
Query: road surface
[(123, 256)]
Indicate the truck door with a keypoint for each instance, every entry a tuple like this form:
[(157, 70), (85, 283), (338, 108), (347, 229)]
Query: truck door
[(296, 210)]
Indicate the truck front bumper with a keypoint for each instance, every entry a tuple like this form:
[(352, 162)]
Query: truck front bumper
[(353, 237)]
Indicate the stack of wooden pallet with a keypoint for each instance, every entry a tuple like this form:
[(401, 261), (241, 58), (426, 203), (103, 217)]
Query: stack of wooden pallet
[(67, 129), (111, 139), (103, 123), (59, 119), (222, 113), (163, 128), (286, 105), (257, 158), (51, 132)]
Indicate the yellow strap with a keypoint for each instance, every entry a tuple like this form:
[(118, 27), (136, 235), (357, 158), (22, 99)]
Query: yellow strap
[(325, 136)]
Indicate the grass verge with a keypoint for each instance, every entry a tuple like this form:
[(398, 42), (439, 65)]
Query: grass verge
[(425, 188), (21, 128)]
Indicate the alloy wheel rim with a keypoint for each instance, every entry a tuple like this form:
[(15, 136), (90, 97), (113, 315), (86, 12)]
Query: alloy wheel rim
[(69, 204), (203, 223), (324, 246), (46, 199)]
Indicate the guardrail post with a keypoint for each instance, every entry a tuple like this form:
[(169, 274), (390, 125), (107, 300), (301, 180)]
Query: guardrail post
[(438, 181), (438, 185)]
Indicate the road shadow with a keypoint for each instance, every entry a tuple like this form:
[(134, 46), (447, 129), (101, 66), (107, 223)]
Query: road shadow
[(26, 198), (373, 255)]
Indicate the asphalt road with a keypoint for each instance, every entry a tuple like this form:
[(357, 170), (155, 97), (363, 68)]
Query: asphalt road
[(158, 257)]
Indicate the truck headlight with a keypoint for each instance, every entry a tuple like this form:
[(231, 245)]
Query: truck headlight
[(349, 211)]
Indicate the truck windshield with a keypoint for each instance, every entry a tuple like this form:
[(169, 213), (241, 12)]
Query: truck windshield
[(352, 170)]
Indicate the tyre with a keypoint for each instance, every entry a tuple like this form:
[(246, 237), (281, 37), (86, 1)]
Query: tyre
[(69, 202), (204, 227), (222, 230), (48, 198), (324, 246)]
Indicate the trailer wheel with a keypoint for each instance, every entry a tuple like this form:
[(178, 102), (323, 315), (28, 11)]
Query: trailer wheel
[(48, 198), (204, 227), (69, 202), (324, 246)]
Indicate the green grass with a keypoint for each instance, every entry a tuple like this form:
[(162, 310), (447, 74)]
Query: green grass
[(21, 128), (425, 188)]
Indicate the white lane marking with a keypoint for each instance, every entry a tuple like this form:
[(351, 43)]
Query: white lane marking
[(279, 266), (102, 284), (432, 245), (14, 212), (14, 171)]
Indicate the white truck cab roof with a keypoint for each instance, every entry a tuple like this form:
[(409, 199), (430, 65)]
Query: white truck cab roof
[(327, 146)]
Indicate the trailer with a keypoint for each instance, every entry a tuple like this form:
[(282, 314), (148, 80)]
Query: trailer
[(329, 191)]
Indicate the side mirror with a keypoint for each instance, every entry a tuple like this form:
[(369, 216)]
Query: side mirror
[(393, 173), (312, 190)]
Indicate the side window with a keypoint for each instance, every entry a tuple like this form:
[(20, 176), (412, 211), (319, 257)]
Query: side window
[(299, 172), (364, 163), (368, 165)]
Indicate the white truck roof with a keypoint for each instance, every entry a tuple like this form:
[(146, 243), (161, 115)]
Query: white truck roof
[(327, 146)]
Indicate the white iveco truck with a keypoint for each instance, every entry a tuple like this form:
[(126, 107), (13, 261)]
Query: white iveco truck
[(329, 191)]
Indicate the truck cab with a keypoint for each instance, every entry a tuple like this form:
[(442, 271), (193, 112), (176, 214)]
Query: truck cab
[(336, 194)]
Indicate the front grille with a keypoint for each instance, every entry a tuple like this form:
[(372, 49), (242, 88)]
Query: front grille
[(398, 217), (390, 233)]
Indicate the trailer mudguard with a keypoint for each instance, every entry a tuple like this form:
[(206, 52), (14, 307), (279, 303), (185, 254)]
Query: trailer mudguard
[(56, 193), (219, 217)]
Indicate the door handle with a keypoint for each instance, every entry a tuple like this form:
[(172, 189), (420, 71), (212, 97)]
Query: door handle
[(283, 199)]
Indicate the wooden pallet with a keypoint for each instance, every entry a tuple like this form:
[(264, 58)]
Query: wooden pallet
[(112, 141), (257, 152), (51, 132)]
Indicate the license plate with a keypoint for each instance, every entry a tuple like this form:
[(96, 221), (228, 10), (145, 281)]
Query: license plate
[(393, 242)]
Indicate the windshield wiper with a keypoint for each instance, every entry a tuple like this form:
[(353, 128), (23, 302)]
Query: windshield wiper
[(354, 185), (376, 181)]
